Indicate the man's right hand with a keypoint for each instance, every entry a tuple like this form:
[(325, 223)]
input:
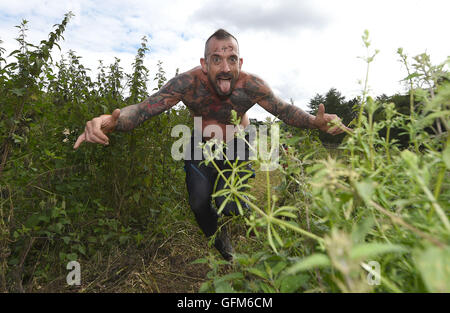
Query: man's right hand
[(97, 128)]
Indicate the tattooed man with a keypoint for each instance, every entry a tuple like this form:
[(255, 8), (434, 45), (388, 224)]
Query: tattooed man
[(210, 91)]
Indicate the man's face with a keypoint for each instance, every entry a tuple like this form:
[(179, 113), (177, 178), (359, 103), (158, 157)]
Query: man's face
[(222, 65)]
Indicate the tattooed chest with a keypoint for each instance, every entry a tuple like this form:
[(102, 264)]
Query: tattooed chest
[(214, 108)]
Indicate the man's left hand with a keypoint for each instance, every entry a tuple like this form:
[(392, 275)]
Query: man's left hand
[(322, 120)]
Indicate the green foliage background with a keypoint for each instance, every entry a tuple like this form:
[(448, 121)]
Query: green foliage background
[(58, 204), (332, 212)]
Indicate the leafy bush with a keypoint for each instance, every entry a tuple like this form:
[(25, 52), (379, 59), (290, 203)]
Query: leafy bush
[(334, 219), (56, 204)]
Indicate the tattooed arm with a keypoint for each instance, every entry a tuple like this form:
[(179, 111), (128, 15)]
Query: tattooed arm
[(132, 116), (291, 114), (288, 113), (169, 95)]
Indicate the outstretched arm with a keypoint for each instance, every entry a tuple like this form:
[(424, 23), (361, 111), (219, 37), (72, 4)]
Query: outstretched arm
[(132, 116), (169, 95), (291, 114)]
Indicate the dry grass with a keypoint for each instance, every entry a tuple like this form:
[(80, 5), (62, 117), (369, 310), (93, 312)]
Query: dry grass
[(161, 264)]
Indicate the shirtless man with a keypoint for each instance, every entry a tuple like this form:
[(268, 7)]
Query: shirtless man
[(210, 91)]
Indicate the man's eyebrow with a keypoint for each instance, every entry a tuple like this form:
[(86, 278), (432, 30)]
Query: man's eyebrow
[(219, 55)]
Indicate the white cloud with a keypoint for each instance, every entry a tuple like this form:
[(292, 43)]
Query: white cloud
[(299, 47), (274, 16)]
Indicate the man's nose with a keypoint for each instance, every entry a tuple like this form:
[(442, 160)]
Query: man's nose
[(225, 67)]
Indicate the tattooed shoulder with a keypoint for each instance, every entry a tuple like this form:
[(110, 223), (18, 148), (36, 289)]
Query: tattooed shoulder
[(256, 88)]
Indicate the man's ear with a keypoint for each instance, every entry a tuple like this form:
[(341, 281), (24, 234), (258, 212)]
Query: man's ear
[(241, 61), (204, 66)]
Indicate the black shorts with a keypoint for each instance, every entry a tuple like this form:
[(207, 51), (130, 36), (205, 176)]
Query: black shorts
[(201, 180)]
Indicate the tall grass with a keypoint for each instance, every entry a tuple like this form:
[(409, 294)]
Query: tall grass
[(371, 213)]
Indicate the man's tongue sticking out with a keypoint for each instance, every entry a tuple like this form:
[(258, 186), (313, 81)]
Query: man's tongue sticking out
[(224, 85)]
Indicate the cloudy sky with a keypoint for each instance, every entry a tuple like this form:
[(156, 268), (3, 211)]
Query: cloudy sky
[(299, 47)]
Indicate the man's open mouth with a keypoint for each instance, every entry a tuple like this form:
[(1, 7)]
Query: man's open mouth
[(224, 84)]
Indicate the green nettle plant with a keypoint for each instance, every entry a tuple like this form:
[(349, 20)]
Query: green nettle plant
[(57, 205), (371, 218)]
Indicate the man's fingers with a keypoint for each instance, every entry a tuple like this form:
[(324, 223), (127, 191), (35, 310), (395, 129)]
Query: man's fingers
[(321, 111), (116, 114), (335, 125), (79, 141), (333, 130), (339, 129), (92, 137), (96, 130), (95, 139), (89, 138), (93, 131)]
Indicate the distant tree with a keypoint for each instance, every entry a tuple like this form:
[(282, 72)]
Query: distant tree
[(314, 103)]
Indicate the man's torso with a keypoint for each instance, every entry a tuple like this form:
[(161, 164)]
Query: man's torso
[(203, 101)]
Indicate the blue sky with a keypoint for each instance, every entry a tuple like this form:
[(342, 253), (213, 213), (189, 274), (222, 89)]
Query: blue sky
[(299, 47)]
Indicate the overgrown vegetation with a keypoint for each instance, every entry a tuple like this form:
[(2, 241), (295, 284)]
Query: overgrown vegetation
[(328, 214), (336, 221), (57, 204)]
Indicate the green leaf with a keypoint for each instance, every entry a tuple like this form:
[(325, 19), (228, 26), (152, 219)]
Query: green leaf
[(365, 189), (434, 266), (361, 229), (243, 259), (266, 288), (19, 92), (33, 220), (231, 276), (446, 156), (136, 197), (372, 249), (293, 283), (270, 239), (312, 261), (17, 138), (81, 249), (410, 158), (223, 287), (123, 239), (72, 256), (66, 239), (277, 236), (314, 168), (413, 75), (205, 287), (258, 272), (431, 117), (287, 214), (293, 141), (200, 261), (279, 267), (62, 256)]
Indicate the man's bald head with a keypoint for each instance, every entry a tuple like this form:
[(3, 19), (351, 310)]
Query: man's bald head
[(219, 34)]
